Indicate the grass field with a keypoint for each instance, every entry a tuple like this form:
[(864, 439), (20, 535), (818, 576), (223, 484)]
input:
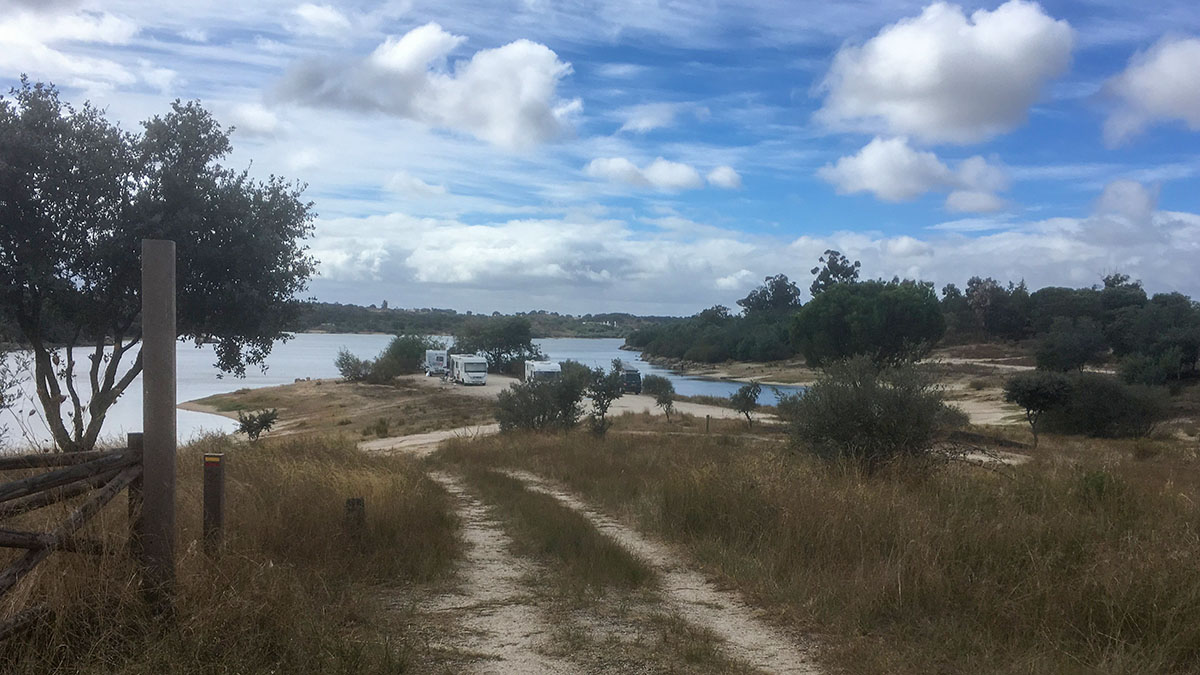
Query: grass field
[(289, 593), (1081, 561)]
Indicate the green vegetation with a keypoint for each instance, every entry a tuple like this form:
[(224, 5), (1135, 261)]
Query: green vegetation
[(870, 416), (745, 400), (337, 318), (289, 593), (890, 322), (541, 404), (1103, 406), (79, 195), (506, 342), (602, 390), (404, 355), (1071, 344), (254, 424), (1079, 561), (1037, 392), (663, 392)]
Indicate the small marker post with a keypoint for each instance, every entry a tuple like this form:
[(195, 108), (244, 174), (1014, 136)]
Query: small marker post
[(214, 501)]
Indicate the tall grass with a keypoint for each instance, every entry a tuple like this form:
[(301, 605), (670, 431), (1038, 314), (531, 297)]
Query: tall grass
[(1076, 563), (289, 593)]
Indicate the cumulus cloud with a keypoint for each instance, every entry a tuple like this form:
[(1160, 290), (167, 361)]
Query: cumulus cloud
[(407, 184), (661, 174), (893, 171), (587, 265), (319, 21), (1161, 84), (506, 96), (725, 177), (32, 43), (942, 77), (254, 119)]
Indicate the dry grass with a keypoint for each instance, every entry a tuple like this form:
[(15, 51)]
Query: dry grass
[(290, 593), (1082, 561), (362, 410)]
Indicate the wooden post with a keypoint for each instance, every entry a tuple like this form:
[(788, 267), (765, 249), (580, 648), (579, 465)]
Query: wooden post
[(356, 518), (707, 419), (134, 441), (158, 411), (214, 501)]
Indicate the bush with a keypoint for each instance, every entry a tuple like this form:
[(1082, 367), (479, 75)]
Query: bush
[(1103, 406), (1037, 392), (745, 400), (1153, 370), (663, 392), (602, 390), (1070, 345), (352, 368), (866, 414), (254, 424), (541, 404)]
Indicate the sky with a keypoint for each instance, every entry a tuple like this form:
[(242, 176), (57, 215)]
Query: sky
[(660, 157)]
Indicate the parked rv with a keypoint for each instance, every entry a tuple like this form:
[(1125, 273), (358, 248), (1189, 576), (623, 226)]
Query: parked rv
[(631, 381), (437, 361), (468, 369), (541, 370)]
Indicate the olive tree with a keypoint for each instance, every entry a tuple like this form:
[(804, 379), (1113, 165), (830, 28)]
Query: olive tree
[(1037, 392), (604, 388), (663, 392), (78, 194), (745, 400)]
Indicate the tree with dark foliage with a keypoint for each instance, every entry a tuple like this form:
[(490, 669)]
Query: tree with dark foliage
[(77, 196)]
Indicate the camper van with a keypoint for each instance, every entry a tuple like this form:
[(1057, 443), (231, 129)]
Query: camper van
[(468, 369), (541, 370), (437, 361), (631, 381)]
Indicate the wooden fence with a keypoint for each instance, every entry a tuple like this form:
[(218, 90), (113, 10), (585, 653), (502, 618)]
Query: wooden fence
[(146, 466)]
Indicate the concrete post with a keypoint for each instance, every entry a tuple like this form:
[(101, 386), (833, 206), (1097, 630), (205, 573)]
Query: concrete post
[(158, 410)]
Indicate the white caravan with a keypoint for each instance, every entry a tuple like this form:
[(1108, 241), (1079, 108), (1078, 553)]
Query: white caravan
[(541, 370), (437, 361), (468, 369)]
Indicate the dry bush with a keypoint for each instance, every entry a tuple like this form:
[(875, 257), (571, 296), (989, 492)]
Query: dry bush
[(1082, 561), (289, 593)]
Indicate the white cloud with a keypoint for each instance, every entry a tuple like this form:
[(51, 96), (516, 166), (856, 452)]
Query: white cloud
[(319, 21), (893, 171), (194, 35), (161, 79), (583, 264), (1161, 84), (33, 43), (648, 116), (506, 96), (254, 119), (408, 184), (940, 77), (661, 173), (725, 177)]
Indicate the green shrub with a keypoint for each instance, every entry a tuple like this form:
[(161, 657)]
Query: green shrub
[(745, 400), (404, 355), (1153, 370), (866, 414), (1103, 406), (1037, 392), (542, 404), (352, 368), (1070, 345), (254, 424), (663, 392)]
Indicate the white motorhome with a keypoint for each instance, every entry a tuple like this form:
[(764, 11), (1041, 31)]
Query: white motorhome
[(541, 370), (437, 361), (468, 369)]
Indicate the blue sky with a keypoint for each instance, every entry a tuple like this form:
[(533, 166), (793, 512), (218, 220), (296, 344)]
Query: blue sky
[(662, 157)]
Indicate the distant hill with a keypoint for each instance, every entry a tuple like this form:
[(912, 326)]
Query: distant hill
[(332, 317)]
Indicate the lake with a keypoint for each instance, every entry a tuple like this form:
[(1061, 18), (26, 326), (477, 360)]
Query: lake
[(311, 355)]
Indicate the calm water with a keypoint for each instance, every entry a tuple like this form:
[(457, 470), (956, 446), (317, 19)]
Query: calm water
[(311, 355)]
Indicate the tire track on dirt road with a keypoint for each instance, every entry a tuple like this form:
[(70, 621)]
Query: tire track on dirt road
[(747, 638)]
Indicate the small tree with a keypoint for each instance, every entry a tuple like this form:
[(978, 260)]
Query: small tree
[(352, 368), (1037, 392), (602, 390), (254, 424), (503, 341), (539, 404), (870, 415), (745, 400), (835, 268), (663, 392), (776, 293)]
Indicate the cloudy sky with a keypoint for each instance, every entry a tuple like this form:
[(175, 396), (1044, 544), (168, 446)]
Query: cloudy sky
[(664, 156)]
